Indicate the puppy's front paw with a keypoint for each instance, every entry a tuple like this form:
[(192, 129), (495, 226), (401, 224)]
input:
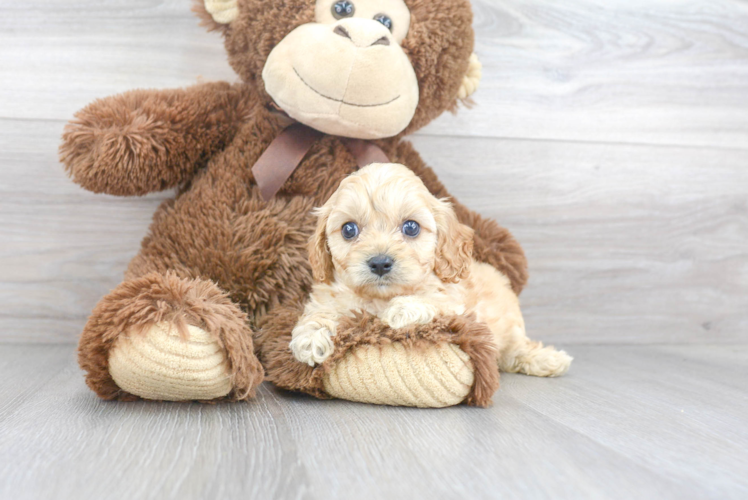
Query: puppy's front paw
[(312, 343), (404, 311)]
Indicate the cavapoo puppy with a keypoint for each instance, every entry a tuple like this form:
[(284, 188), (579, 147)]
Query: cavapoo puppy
[(385, 245)]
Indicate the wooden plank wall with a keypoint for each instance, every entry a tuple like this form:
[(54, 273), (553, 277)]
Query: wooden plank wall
[(610, 137)]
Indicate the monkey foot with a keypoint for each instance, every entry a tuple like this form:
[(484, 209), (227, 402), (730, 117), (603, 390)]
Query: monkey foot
[(449, 361), (161, 364), (168, 338), (434, 376)]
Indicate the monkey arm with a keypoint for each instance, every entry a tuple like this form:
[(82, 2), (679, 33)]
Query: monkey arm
[(150, 140), (493, 244)]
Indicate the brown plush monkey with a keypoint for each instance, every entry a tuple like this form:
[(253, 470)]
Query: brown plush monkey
[(222, 275)]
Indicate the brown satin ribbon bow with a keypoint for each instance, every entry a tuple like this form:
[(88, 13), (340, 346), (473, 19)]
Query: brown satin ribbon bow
[(283, 155)]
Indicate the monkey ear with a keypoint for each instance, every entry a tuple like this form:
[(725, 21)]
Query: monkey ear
[(454, 244), (319, 255), (471, 79), (216, 14)]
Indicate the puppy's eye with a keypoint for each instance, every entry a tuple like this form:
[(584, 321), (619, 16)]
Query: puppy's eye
[(411, 228), (385, 20), (349, 230), (342, 9)]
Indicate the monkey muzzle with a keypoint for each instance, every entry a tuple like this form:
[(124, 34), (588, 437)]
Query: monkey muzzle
[(350, 78)]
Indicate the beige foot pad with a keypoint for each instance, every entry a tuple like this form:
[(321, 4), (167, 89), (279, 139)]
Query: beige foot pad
[(161, 365), (435, 376), (451, 360)]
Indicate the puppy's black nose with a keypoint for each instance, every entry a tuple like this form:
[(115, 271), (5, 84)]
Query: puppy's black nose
[(380, 264)]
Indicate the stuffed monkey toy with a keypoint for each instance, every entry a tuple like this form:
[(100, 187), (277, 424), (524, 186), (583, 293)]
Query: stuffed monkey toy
[(206, 308)]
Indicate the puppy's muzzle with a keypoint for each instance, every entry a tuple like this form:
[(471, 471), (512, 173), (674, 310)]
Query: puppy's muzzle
[(380, 264)]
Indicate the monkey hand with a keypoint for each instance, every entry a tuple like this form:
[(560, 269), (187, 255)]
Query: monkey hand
[(149, 140)]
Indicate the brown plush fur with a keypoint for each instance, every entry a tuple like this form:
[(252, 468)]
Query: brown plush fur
[(271, 346), (218, 234), (143, 140), (439, 44), (474, 338), (139, 303)]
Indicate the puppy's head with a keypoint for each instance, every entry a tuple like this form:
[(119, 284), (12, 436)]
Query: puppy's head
[(382, 233)]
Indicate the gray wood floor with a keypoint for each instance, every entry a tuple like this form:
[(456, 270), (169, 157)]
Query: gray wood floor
[(610, 137), (627, 422)]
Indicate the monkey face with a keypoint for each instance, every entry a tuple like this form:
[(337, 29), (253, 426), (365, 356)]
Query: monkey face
[(356, 68), (346, 76)]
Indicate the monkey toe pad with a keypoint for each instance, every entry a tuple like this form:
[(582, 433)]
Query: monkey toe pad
[(450, 361), (161, 364), (434, 376)]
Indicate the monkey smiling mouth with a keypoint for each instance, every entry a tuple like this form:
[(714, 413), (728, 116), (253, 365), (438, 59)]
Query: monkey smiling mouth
[(341, 100)]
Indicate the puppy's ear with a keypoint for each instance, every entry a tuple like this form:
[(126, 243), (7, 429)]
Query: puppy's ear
[(454, 244), (319, 255)]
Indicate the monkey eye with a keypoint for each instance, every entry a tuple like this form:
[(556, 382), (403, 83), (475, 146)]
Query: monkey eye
[(342, 9), (411, 228), (385, 20), (349, 230)]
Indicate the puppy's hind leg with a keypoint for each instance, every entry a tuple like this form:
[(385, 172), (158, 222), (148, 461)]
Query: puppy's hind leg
[(531, 358), (498, 306)]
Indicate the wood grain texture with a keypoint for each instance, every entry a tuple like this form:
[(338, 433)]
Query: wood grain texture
[(649, 71), (626, 243), (644, 71), (610, 139), (627, 422)]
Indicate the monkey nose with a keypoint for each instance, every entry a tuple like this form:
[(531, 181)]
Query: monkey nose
[(362, 32), (380, 264)]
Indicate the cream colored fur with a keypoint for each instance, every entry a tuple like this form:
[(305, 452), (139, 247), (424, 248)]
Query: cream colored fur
[(433, 273)]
